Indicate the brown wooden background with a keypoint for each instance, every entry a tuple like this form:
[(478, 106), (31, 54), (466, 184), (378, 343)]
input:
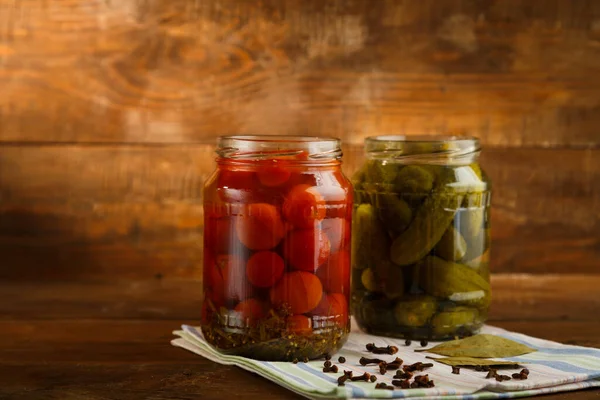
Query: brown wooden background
[(109, 110)]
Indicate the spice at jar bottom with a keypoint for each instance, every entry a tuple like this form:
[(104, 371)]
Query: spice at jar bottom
[(421, 238), (276, 276)]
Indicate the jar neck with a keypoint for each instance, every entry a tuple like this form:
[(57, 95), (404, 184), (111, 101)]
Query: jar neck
[(440, 150), (294, 150)]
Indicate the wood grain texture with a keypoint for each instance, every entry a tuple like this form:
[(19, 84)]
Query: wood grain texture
[(516, 298), (102, 341), (108, 211), (518, 72)]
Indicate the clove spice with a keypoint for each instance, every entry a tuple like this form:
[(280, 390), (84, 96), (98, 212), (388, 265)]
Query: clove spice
[(524, 374), (456, 370), (342, 360), (333, 368), (418, 366), (397, 363), (404, 383), (366, 361), (342, 379), (401, 374), (383, 385), (364, 377), (381, 350), (501, 378), (492, 374)]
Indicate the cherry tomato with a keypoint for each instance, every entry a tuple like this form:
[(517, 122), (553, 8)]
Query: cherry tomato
[(236, 185), (273, 175), (299, 324), (335, 273), (333, 307), (260, 226), (303, 206), (251, 310), (306, 249), (264, 268), (339, 308), (300, 291)]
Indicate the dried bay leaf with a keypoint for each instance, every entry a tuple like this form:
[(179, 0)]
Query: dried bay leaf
[(474, 362), (480, 346)]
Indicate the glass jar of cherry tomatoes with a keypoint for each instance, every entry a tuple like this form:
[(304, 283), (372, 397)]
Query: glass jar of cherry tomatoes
[(276, 278)]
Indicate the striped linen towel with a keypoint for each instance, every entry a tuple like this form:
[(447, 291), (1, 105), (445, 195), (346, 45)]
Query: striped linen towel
[(554, 367)]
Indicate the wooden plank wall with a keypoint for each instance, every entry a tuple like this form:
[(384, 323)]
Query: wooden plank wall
[(109, 110)]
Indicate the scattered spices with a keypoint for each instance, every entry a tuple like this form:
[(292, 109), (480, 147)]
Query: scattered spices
[(295, 361), (423, 381), (501, 378), (305, 360), (327, 357), (333, 368), (423, 343), (525, 371), (342, 380), (381, 350), (373, 378), (342, 360), (407, 342), (456, 370), (366, 361), (364, 377), (414, 385), (383, 385), (327, 364), (404, 383), (401, 374)]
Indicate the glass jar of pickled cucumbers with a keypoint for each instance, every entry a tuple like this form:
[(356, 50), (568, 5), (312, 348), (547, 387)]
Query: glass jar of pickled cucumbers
[(277, 214), (421, 238)]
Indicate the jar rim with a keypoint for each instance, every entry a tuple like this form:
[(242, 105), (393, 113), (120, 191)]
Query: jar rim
[(438, 149), (269, 146), (422, 139)]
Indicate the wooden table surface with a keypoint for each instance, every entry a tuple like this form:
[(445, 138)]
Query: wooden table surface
[(111, 340)]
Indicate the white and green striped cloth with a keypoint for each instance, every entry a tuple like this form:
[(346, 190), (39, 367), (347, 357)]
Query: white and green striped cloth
[(554, 367)]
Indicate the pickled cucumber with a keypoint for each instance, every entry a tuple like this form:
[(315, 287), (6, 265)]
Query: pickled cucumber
[(367, 278), (390, 279), (452, 246), (427, 227), (414, 179), (370, 242), (453, 281), (382, 172), (448, 322), (375, 311), (393, 212), (416, 311)]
